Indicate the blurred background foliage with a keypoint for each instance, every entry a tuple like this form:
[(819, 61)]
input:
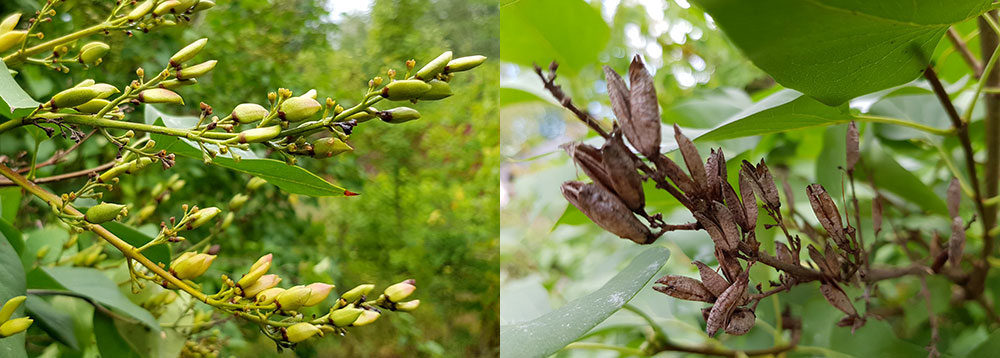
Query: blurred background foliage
[(551, 253), (427, 208)]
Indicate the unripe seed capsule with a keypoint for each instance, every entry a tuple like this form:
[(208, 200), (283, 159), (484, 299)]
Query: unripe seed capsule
[(104, 90), (175, 83), (399, 115), (160, 95), (293, 298), (408, 306), (166, 7), (73, 97), (263, 283), (249, 113), (228, 220), (10, 22), (10, 39), (103, 212), (86, 83), (255, 183), (301, 331), (196, 70), (439, 90), (405, 90), (112, 173), (186, 4), (298, 108), (236, 203), (141, 10), (464, 63), (267, 296), (188, 52), (355, 293), (328, 147), (93, 106), (203, 216), (319, 292), (10, 306), (203, 5), (366, 318), (400, 291), (92, 52), (15, 326), (345, 316), (258, 135), (191, 265), (434, 67)]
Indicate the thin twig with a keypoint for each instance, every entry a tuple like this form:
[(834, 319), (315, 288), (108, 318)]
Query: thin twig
[(64, 176), (967, 55)]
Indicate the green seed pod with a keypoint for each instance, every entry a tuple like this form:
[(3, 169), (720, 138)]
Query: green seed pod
[(405, 90), (160, 95), (249, 113), (328, 147), (10, 39), (310, 93), (263, 283), (298, 108), (345, 316), (258, 135), (366, 318), (408, 306), (15, 326), (355, 293), (93, 106), (362, 116), (293, 298), (137, 165), (10, 22), (165, 7), (203, 5), (175, 83), (400, 291), (104, 90), (11, 306), (188, 52), (196, 70), (301, 331), (439, 90), (146, 212), (255, 183), (112, 173), (434, 67), (92, 52), (191, 265), (399, 115), (73, 97), (464, 63), (202, 216), (186, 4), (140, 10), (236, 203), (85, 83), (104, 212), (228, 220), (319, 293), (267, 296)]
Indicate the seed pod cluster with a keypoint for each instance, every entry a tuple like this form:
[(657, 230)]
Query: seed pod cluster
[(9, 38)]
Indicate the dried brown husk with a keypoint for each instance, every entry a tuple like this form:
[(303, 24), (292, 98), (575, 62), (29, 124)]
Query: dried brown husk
[(714, 231), (728, 225), (956, 244), (712, 280), (618, 93), (785, 254), (715, 169), (590, 159), (827, 213), (607, 211), (684, 288), (735, 206), (852, 146), (676, 175), (836, 296), (877, 215), (726, 304), (954, 198), (642, 128), (762, 182), (749, 201), (623, 173), (730, 265), (741, 321), (692, 160), (821, 261)]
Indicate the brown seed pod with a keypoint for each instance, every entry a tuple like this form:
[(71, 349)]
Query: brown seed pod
[(956, 244), (821, 261), (715, 232), (749, 201), (728, 225), (607, 211), (676, 175), (852, 146), (877, 215), (712, 280), (623, 173), (618, 93), (741, 321), (715, 169), (827, 213), (954, 198), (730, 265), (762, 182), (836, 296), (726, 304), (591, 161), (735, 206), (642, 127), (692, 159), (684, 288), (784, 254)]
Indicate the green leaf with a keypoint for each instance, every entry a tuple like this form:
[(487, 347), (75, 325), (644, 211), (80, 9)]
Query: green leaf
[(831, 159), (835, 50), (783, 111), (704, 110), (92, 283), (57, 323), (989, 347), (892, 177), (290, 178), (50, 236), (12, 236), (12, 284), (551, 332), (14, 102), (10, 201), (570, 32), (109, 341), (157, 254)]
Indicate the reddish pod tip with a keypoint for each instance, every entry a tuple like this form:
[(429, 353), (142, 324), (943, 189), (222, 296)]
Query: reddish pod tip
[(350, 193)]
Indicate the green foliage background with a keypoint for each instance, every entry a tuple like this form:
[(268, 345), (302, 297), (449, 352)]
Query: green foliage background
[(427, 210)]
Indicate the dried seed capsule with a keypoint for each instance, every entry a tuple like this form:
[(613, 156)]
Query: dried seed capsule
[(607, 211), (434, 67), (10, 306), (618, 93), (104, 90), (726, 304), (836, 296), (826, 211), (93, 106), (258, 135), (196, 70), (741, 321), (712, 280), (956, 244), (263, 283), (405, 90), (188, 52), (104, 212), (366, 318), (400, 291), (175, 83), (355, 293), (345, 316), (691, 158), (293, 298), (642, 127), (140, 10), (160, 95), (398, 115), (165, 7), (10, 39), (73, 97), (249, 113), (328, 147), (319, 293), (439, 90), (464, 63), (298, 108), (684, 288), (623, 173), (10, 22), (852, 146), (954, 198), (15, 326), (202, 216), (301, 331), (591, 160), (92, 52)]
